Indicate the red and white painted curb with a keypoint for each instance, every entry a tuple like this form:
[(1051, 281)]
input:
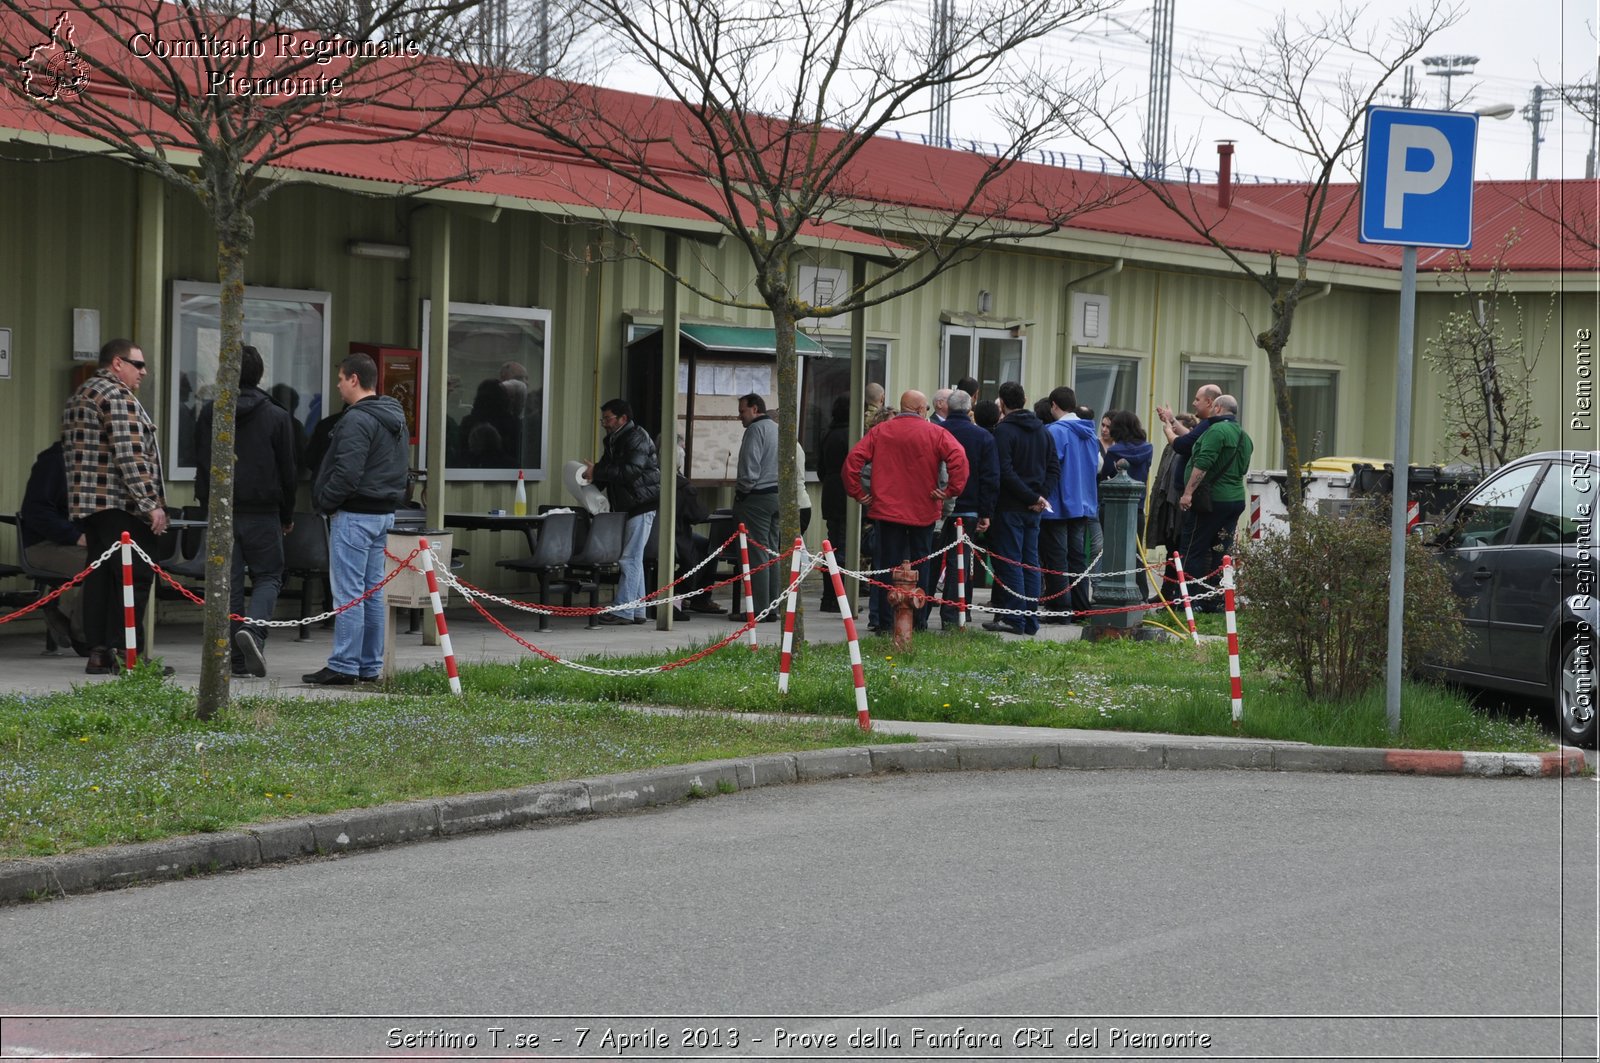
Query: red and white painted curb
[(1567, 761)]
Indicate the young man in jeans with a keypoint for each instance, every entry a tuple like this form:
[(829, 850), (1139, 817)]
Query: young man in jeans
[(361, 482)]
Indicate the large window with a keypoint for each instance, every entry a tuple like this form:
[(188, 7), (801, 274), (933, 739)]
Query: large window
[(1315, 394), (289, 328), (826, 382), (1226, 375), (1106, 382), (991, 356), (498, 386)]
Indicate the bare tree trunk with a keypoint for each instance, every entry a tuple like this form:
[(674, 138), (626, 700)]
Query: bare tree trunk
[(789, 471), (233, 243)]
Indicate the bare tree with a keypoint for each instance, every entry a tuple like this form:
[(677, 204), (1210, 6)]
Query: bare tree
[(1306, 89), (1485, 366), (242, 88), (768, 129)]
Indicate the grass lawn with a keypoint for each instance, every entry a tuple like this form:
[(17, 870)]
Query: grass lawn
[(975, 677), (125, 761)]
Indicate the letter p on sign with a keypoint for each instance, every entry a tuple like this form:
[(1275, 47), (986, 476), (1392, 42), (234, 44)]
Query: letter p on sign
[(1416, 181)]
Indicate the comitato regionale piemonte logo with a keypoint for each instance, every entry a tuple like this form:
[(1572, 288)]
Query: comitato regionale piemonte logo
[(54, 70)]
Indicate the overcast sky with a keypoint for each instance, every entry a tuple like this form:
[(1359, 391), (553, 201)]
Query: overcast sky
[(1520, 43)]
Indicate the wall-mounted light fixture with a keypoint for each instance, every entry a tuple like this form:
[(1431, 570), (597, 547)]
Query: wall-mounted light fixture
[(378, 249), (985, 301)]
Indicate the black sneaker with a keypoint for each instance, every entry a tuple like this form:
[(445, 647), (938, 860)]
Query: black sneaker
[(247, 649), (327, 677)]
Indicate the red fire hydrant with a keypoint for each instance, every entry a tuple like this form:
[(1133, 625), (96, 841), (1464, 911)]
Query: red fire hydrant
[(905, 597)]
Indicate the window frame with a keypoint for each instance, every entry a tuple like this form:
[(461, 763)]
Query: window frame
[(179, 358), (524, 313), (976, 334)]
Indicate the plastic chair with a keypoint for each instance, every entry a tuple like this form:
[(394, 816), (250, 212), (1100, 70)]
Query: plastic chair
[(305, 556), (598, 561), (549, 551)]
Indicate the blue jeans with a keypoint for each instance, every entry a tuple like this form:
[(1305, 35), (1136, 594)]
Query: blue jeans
[(1015, 534), (258, 546), (630, 587), (355, 563)]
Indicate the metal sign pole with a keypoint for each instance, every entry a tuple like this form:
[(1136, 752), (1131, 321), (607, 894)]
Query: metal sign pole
[(1402, 483)]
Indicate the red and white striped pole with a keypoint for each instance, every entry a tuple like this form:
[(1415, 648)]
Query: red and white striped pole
[(749, 593), (1255, 516), (130, 625), (1183, 591), (1413, 515), (858, 673), (787, 654), (961, 574), (1233, 640), (438, 616)]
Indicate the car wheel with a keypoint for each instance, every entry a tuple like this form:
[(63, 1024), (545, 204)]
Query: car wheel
[(1574, 683)]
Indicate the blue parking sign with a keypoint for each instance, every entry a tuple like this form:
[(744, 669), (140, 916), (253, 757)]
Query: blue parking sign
[(1416, 179)]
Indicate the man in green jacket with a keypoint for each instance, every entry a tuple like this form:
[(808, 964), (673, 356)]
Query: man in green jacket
[(1219, 461)]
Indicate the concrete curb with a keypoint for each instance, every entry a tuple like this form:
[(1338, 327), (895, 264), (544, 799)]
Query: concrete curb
[(410, 821)]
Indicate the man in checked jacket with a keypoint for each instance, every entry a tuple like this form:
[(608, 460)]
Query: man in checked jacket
[(113, 486)]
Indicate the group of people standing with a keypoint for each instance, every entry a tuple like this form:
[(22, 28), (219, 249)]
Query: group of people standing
[(1029, 483), (105, 477)]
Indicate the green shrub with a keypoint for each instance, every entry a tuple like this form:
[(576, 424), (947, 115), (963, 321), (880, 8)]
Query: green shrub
[(1322, 594)]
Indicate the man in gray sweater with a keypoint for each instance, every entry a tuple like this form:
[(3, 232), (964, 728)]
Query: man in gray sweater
[(755, 496)]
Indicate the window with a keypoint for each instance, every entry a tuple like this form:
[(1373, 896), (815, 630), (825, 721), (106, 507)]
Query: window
[(1227, 376), (498, 382), (991, 356), (1315, 394), (1105, 382), (827, 381), (1485, 519), (1553, 518), (289, 328)]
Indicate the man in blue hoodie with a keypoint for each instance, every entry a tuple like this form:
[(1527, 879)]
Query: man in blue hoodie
[(361, 482), (1065, 531), (1028, 466)]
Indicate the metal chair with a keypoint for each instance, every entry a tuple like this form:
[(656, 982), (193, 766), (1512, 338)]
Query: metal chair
[(597, 561), (44, 581), (549, 551)]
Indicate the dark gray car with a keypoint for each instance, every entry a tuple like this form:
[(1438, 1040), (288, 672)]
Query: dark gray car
[(1521, 553)]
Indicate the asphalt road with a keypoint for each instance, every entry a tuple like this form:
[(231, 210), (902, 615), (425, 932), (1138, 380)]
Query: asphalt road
[(1268, 914)]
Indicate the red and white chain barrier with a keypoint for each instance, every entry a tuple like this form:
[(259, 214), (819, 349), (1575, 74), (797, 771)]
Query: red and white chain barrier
[(438, 616), (744, 567), (857, 672), (1237, 687), (961, 574), (793, 595), (1188, 603), (130, 626)]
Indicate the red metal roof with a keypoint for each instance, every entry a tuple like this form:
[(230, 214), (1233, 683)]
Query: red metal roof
[(1554, 221)]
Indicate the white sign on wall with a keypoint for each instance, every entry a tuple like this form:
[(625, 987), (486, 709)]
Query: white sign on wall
[(5, 354)]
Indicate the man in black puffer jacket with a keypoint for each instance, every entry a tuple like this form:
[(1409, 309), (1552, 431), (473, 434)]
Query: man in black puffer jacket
[(263, 505), (361, 482), (630, 473)]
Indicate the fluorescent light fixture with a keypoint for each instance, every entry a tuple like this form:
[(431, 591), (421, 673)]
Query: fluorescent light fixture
[(378, 249)]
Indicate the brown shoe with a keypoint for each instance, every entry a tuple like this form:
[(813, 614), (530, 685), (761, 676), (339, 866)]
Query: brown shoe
[(100, 662)]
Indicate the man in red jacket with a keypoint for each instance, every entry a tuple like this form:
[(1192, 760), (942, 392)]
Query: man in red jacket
[(906, 499)]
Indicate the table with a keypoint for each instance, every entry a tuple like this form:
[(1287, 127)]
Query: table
[(493, 522)]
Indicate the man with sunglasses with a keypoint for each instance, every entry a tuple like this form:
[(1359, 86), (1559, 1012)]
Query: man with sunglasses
[(114, 485)]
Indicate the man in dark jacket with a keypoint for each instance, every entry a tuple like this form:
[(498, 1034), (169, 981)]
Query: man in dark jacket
[(1028, 467), (975, 506), (264, 474), (630, 473), (55, 543), (361, 482)]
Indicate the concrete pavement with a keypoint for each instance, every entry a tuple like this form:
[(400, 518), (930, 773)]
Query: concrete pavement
[(942, 747)]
